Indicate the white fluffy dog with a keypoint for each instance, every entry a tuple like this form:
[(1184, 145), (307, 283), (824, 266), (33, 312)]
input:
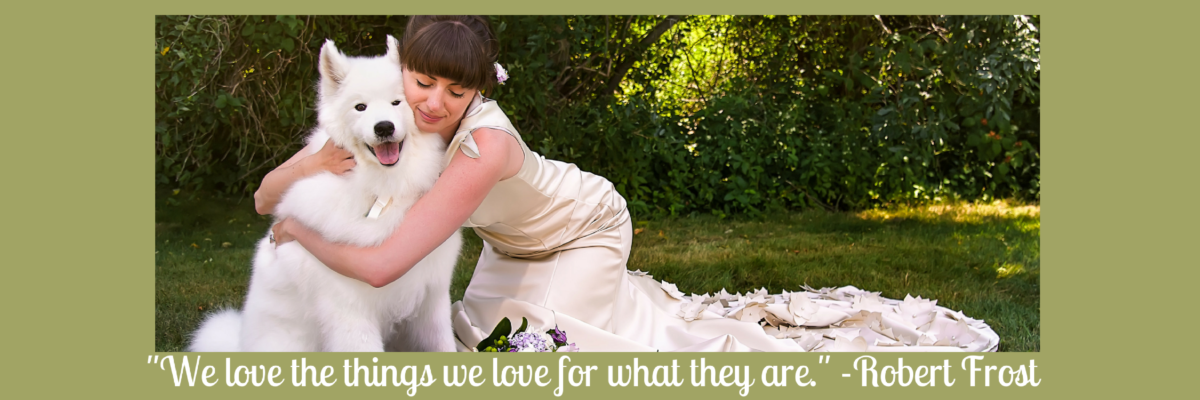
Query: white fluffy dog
[(295, 303)]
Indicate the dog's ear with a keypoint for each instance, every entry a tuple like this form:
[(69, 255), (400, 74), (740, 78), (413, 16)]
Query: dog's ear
[(393, 49), (333, 66)]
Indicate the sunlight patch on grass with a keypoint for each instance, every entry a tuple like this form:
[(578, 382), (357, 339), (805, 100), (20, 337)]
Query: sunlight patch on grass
[(1009, 270), (957, 212)]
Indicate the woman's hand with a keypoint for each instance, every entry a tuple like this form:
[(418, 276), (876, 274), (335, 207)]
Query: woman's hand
[(281, 232), (306, 162), (332, 158)]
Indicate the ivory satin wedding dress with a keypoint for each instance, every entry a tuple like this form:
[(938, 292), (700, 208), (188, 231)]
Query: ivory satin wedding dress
[(556, 243)]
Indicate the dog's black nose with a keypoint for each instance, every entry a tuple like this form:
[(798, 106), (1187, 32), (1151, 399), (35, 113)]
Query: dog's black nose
[(384, 129)]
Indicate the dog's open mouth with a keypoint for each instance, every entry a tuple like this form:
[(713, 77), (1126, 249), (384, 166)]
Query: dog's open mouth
[(387, 153)]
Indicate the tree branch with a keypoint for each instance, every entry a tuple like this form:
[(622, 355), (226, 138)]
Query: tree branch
[(631, 57), (885, 28)]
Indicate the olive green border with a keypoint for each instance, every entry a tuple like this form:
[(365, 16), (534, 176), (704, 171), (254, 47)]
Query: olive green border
[(78, 287)]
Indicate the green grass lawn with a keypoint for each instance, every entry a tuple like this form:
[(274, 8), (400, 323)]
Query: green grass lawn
[(982, 259)]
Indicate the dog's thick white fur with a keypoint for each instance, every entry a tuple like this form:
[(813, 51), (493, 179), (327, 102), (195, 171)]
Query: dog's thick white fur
[(295, 303)]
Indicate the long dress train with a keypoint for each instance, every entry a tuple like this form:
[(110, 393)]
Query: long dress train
[(556, 244)]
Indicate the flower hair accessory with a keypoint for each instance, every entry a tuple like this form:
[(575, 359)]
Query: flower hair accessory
[(501, 74)]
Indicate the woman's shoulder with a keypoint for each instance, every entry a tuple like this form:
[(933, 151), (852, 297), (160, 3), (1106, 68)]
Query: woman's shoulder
[(497, 148)]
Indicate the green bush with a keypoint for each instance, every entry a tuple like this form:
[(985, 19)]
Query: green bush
[(692, 114)]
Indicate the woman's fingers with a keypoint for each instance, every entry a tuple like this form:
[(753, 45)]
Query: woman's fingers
[(346, 165), (335, 159), (279, 233)]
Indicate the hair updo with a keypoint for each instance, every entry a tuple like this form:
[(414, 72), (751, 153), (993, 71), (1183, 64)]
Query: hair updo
[(461, 48)]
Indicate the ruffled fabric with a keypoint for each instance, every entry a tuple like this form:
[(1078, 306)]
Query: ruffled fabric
[(841, 319)]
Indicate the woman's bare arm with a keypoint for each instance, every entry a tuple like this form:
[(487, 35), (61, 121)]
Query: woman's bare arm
[(432, 219), (304, 163)]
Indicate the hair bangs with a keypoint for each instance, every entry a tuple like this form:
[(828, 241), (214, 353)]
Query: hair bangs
[(449, 50)]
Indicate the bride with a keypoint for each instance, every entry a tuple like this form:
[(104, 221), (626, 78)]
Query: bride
[(557, 239)]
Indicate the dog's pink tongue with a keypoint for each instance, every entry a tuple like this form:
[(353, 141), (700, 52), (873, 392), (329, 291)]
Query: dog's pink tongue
[(388, 153)]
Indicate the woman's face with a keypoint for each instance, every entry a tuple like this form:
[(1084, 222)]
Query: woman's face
[(438, 103)]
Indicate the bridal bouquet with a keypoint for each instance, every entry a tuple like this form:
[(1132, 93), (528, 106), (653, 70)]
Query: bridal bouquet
[(524, 339)]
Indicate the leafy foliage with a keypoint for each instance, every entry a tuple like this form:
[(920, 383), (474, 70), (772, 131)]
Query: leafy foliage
[(685, 114)]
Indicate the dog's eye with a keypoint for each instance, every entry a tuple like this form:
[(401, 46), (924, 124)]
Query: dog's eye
[(361, 107), (396, 103)]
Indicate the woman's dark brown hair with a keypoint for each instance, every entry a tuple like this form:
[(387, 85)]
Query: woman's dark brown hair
[(459, 47)]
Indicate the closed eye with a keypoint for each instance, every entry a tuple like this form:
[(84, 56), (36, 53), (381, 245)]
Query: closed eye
[(457, 95)]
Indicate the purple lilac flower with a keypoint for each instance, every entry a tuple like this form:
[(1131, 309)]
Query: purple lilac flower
[(529, 341)]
